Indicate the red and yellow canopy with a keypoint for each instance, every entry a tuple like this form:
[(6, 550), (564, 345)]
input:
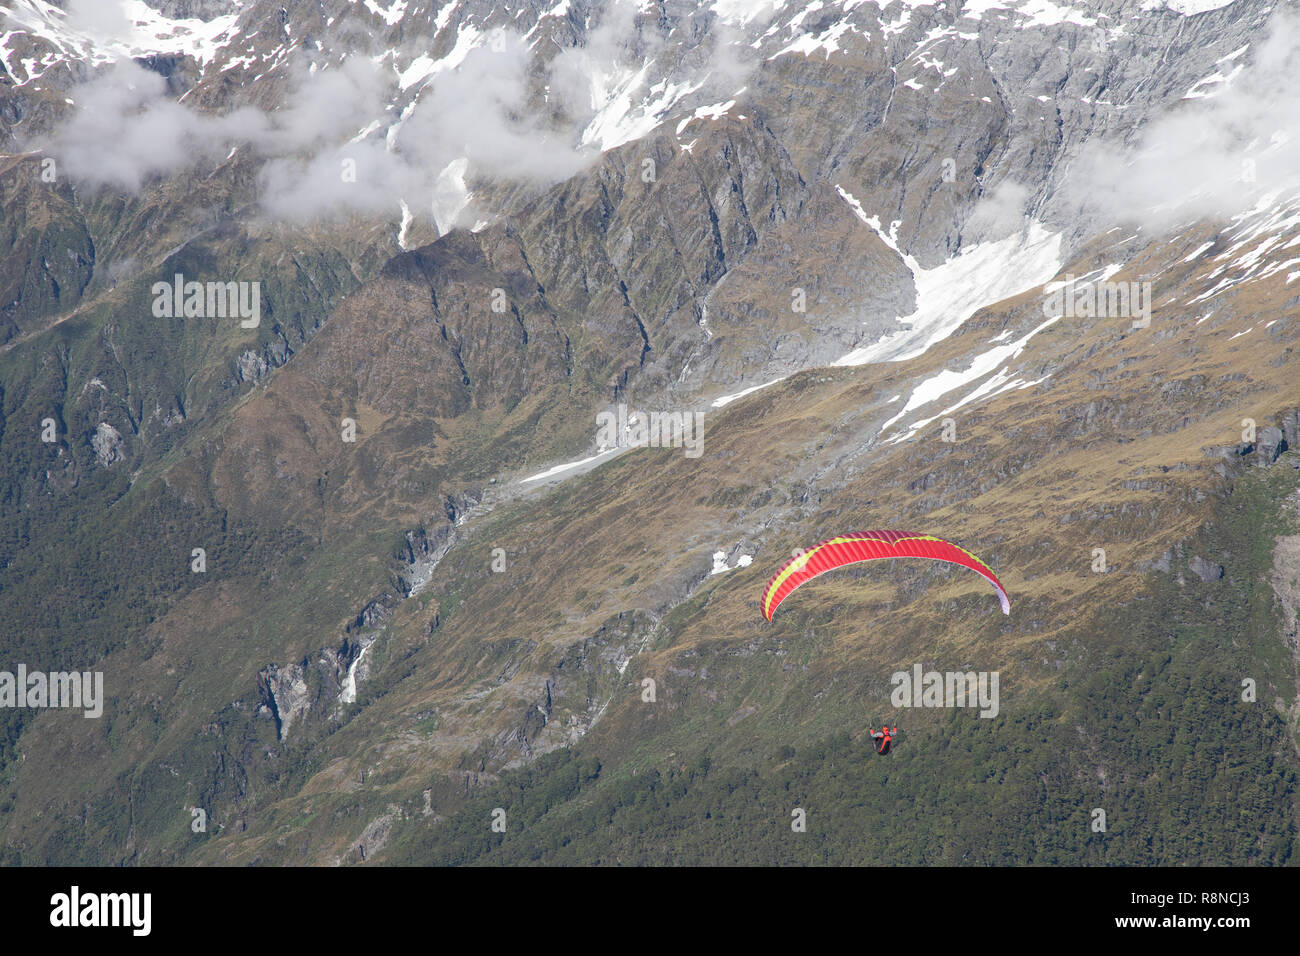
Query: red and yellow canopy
[(870, 546)]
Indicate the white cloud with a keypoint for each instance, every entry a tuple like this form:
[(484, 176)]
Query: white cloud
[(1214, 155), (474, 111)]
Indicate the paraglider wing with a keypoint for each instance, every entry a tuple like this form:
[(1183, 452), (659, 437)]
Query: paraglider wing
[(870, 546)]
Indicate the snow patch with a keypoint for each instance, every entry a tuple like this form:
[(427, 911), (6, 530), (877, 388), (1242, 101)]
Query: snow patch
[(141, 31), (392, 15), (720, 562), (450, 195), (600, 456), (621, 114), (728, 399), (714, 112), (1188, 8), (424, 68), (946, 381), (950, 293)]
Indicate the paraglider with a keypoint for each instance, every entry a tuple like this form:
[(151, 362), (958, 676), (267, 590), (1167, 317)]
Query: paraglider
[(884, 738), (870, 546)]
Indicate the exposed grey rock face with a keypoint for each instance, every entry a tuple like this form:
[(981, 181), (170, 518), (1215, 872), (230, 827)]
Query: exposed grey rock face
[(1269, 445), (285, 692), (250, 367), (377, 831), (1204, 569), (107, 443), (424, 549), (425, 546), (562, 703), (194, 9), (1291, 428), (374, 613)]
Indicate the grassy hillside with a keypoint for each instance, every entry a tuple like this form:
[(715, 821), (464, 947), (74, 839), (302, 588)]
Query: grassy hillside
[(1145, 721)]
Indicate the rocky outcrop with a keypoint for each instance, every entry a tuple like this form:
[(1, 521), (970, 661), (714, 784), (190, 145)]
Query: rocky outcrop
[(285, 692), (569, 699), (425, 546), (375, 613), (1269, 445), (1271, 442), (298, 694), (1205, 569), (376, 833), (1291, 428), (107, 444), (252, 366)]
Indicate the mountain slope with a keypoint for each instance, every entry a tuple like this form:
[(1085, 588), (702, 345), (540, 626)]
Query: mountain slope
[(841, 233)]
